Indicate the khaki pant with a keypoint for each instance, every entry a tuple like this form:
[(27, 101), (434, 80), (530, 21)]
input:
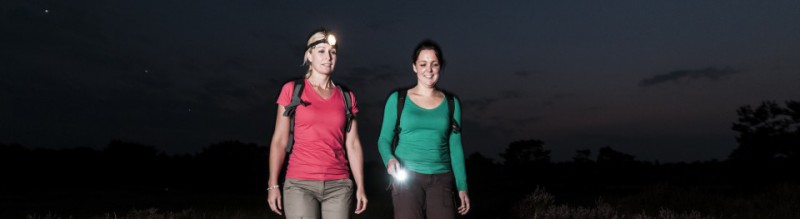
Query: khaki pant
[(424, 196), (317, 199)]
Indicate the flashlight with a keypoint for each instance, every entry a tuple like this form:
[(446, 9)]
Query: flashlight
[(401, 174)]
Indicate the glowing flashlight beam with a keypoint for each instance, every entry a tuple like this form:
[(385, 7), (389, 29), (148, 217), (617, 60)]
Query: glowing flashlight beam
[(401, 175), (331, 40)]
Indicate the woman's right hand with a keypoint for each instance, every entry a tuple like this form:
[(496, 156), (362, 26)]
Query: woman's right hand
[(393, 167), (274, 200)]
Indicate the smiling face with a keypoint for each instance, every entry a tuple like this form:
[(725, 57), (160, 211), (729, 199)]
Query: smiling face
[(322, 58), (427, 67)]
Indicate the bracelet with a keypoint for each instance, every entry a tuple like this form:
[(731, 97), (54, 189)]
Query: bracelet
[(272, 187)]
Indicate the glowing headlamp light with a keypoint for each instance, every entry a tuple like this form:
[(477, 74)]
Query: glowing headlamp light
[(401, 175), (329, 39)]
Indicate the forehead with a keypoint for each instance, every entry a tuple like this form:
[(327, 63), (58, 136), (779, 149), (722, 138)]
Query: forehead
[(427, 55)]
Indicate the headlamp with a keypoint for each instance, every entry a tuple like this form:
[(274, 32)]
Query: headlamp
[(329, 39)]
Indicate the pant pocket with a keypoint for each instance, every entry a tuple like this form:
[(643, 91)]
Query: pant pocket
[(449, 193), (350, 184), (448, 198), (290, 184)]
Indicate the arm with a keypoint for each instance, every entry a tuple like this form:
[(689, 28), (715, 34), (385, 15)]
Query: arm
[(457, 159), (277, 153), (457, 153), (387, 129), (355, 156), (387, 134)]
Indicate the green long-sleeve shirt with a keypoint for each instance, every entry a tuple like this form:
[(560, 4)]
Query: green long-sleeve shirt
[(423, 146)]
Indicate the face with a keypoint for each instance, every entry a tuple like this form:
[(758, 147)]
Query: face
[(427, 68), (322, 58)]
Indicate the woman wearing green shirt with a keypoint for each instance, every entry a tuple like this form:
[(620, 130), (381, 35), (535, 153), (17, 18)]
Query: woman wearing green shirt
[(428, 147)]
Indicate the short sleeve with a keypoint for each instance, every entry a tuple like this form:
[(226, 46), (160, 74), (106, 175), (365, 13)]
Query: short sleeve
[(285, 96), (354, 110)]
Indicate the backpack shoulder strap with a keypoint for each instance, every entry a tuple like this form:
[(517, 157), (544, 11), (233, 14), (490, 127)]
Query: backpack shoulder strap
[(348, 108), (291, 109), (451, 108), (296, 92), (401, 100)]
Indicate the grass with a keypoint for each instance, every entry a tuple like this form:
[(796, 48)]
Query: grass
[(153, 213), (671, 202), (653, 202), (541, 204)]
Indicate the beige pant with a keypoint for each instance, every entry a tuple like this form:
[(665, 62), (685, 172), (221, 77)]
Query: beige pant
[(317, 199)]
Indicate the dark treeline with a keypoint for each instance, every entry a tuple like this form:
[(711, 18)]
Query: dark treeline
[(767, 157), (229, 166), (768, 136)]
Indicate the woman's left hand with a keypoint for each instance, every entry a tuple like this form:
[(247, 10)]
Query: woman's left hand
[(464, 207), (361, 201)]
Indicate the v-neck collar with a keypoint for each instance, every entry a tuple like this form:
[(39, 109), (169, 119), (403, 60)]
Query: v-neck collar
[(308, 84)]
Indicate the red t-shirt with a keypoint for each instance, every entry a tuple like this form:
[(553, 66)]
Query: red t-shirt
[(318, 152)]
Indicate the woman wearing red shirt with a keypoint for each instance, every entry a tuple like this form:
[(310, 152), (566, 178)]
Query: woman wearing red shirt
[(317, 177)]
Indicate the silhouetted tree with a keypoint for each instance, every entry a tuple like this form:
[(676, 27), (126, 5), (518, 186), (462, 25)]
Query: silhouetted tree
[(768, 131), (128, 164), (233, 151), (608, 155), (233, 165), (582, 156), (14, 160), (12, 154), (130, 151), (477, 160), (526, 152), (481, 171)]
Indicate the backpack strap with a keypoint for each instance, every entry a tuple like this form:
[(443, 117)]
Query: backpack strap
[(451, 108), (401, 101), (348, 108), (292, 108)]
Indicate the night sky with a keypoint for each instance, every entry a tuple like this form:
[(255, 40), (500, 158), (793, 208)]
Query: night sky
[(660, 80)]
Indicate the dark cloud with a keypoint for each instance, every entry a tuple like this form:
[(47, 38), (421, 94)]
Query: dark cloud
[(711, 73)]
